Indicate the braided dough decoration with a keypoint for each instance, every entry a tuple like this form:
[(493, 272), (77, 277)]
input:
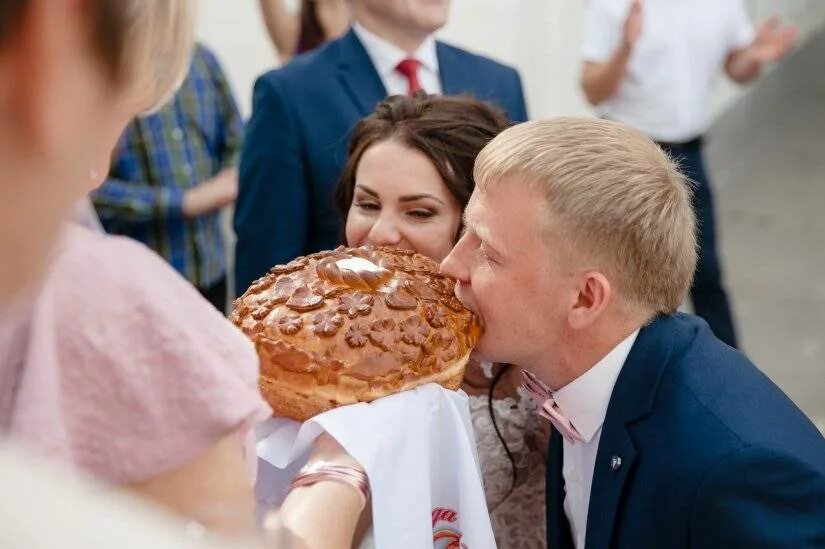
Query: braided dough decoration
[(353, 325)]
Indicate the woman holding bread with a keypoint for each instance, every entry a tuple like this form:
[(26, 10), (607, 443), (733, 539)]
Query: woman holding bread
[(407, 180), (111, 364)]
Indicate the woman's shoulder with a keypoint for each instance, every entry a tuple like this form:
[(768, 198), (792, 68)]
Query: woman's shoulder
[(125, 289), (141, 355), (94, 258), (114, 273)]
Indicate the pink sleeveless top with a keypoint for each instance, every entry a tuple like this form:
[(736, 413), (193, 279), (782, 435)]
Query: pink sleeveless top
[(119, 367)]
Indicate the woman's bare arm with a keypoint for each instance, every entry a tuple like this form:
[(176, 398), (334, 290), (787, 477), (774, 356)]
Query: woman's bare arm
[(214, 490), (283, 27)]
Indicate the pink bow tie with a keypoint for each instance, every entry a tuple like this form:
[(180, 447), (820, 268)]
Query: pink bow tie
[(548, 408)]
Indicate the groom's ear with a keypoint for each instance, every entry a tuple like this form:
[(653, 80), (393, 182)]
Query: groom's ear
[(592, 296)]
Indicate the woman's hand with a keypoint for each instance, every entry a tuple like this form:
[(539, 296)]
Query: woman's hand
[(326, 514), (213, 489)]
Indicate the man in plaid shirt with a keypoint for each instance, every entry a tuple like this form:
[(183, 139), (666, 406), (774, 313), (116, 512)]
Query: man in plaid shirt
[(172, 173)]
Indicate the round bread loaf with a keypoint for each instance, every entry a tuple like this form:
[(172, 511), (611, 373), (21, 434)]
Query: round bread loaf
[(353, 325)]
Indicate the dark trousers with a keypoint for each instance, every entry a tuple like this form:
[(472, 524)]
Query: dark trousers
[(216, 294), (710, 301)]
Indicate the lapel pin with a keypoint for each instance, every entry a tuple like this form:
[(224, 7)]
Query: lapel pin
[(615, 463)]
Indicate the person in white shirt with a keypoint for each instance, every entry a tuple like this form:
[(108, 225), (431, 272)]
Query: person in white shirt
[(652, 65), (579, 246)]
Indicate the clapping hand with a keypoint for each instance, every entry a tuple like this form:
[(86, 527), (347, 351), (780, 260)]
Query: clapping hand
[(633, 23), (773, 42)]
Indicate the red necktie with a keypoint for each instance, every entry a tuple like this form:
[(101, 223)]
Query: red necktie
[(409, 68), (548, 408)]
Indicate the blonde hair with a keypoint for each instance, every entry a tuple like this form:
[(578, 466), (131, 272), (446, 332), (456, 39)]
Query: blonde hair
[(615, 198), (159, 38), (131, 37)]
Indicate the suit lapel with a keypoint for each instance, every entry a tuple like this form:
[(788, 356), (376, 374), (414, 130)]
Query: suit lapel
[(453, 73), (558, 528), (364, 86), (357, 74), (608, 484), (632, 400)]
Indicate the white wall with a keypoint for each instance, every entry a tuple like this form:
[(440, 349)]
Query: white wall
[(807, 15), (540, 37), (235, 31)]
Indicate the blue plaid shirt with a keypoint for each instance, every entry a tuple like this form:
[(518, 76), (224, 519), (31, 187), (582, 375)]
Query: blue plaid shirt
[(160, 156)]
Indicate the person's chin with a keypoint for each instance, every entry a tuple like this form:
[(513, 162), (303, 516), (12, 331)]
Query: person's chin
[(479, 356), (435, 24), (485, 351), (432, 20), (441, 5)]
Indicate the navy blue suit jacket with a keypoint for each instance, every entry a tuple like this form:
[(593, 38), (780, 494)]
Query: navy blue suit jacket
[(296, 144), (712, 453)]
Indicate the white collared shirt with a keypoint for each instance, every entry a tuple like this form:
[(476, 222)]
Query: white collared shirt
[(386, 57), (673, 66), (584, 401)]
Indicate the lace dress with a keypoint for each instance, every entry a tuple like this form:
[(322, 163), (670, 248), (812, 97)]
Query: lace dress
[(518, 519)]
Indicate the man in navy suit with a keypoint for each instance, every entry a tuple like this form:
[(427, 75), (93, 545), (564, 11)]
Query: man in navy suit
[(303, 114), (580, 244)]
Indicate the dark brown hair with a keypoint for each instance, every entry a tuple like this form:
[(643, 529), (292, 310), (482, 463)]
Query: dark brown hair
[(312, 33), (450, 131)]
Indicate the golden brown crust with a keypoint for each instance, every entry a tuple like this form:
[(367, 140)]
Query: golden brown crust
[(352, 325)]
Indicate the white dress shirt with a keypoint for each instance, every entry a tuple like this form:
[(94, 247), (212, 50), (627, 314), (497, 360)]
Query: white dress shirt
[(584, 401), (386, 56), (673, 66)]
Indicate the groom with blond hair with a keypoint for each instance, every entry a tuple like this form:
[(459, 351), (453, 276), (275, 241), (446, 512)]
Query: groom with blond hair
[(580, 245)]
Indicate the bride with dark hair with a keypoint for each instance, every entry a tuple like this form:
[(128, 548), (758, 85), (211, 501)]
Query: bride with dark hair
[(407, 180)]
